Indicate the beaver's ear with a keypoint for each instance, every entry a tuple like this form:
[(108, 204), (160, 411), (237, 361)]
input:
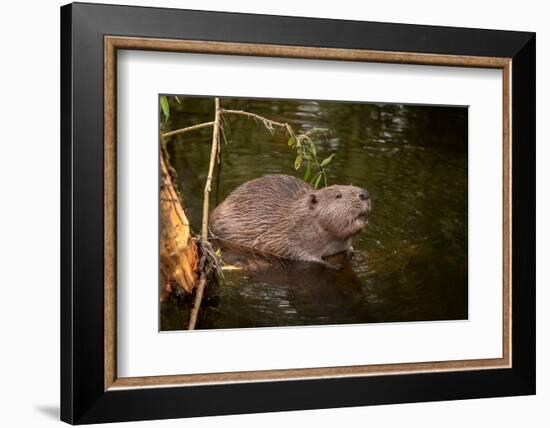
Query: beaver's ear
[(312, 200)]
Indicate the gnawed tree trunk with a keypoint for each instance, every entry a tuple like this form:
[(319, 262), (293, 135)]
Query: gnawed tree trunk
[(178, 251)]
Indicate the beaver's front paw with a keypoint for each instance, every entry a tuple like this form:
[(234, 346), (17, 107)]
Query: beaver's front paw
[(350, 253)]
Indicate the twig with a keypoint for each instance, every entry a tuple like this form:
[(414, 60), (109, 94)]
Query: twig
[(213, 157), (268, 123), (198, 299), (205, 208), (187, 129)]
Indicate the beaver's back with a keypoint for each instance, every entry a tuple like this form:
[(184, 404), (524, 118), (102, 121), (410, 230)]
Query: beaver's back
[(254, 208)]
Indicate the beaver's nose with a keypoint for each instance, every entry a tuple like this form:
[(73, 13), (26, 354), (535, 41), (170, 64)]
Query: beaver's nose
[(364, 194)]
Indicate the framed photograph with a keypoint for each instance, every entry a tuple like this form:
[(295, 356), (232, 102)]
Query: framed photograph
[(268, 213)]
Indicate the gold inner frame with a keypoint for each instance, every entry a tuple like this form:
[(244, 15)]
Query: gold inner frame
[(113, 43)]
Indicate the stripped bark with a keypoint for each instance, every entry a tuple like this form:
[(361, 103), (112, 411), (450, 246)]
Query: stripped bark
[(178, 252)]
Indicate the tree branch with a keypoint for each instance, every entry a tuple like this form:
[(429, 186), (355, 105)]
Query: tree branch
[(268, 123), (205, 209), (187, 129), (213, 157)]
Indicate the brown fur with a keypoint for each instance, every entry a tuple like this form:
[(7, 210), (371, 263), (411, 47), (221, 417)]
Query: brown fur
[(286, 217)]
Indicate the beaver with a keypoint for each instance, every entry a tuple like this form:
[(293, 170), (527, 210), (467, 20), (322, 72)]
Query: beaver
[(286, 217)]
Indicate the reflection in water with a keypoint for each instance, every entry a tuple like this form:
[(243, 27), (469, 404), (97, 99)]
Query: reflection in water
[(283, 292), (411, 262)]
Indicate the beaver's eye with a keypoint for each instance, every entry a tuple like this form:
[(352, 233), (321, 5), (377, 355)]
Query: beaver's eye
[(338, 195)]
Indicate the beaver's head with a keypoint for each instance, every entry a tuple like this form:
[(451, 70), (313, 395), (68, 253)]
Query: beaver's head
[(341, 210)]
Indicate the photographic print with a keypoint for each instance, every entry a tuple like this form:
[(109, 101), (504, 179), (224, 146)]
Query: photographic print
[(309, 212), (341, 185)]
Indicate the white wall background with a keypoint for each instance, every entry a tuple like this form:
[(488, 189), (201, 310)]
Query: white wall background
[(29, 219)]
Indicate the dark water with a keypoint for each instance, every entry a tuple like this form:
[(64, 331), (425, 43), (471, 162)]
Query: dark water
[(411, 262)]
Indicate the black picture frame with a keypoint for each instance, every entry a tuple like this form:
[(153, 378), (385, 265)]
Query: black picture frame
[(83, 398)]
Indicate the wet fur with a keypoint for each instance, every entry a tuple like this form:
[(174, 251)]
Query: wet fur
[(283, 216)]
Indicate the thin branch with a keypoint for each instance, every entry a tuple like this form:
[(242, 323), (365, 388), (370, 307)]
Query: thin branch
[(187, 129), (198, 299), (268, 123), (213, 157), (222, 129), (205, 209)]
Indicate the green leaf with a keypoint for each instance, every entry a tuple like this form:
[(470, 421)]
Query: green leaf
[(317, 180), (165, 107), (312, 148), (178, 99), (326, 161), (292, 141), (298, 162), (307, 172), (314, 177)]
